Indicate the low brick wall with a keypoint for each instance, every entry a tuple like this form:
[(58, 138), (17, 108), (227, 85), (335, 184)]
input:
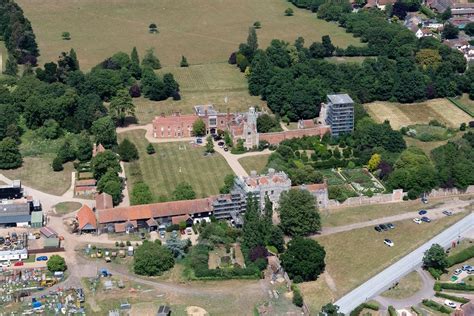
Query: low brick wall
[(395, 196), (277, 137)]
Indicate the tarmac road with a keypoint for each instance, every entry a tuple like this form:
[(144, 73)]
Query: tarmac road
[(395, 272)]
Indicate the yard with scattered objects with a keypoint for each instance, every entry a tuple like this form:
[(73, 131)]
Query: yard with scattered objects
[(202, 84), (400, 115), (344, 252), (174, 163), (257, 163), (204, 32)]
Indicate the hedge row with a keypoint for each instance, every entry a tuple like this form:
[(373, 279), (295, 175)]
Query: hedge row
[(461, 256), (358, 309), (297, 297), (392, 311), (437, 307), (453, 286), (461, 106), (416, 310), (435, 273), (459, 299)]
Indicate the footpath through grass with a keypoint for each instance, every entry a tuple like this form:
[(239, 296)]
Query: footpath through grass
[(174, 163)]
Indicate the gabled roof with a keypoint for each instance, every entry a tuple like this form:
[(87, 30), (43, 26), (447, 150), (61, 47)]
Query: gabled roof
[(155, 210), (48, 232), (86, 217), (103, 201), (179, 219)]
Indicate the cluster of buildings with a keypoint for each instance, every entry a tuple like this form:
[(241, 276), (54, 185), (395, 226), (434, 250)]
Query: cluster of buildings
[(337, 117), (18, 210), (104, 218)]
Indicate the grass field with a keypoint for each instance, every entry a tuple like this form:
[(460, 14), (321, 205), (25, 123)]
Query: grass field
[(37, 173), (172, 164), (332, 177), (467, 102), (407, 286), (257, 163), (66, 207), (3, 57), (349, 264), (350, 215), (205, 31), (202, 84), (417, 113)]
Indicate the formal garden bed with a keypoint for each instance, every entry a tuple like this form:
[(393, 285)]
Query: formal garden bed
[(362, 181)]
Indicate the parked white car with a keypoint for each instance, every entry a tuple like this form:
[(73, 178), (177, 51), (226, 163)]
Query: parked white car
[(450, 303), (457, 272), (388, 242), (417, 220)]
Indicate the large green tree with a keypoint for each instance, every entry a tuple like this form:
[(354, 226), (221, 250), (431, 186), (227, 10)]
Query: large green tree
[(10, 156), (436, 258), (141, 194), (150, 60), (199, 128), (127, 150), (122, 106), (304, 259), (56, 263), (84, 147), (298, 213), (183, 191), (104, 161), (151, 259), (104, 132)]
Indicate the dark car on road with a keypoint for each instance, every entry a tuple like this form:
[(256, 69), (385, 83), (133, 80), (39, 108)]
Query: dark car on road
[(447, 212), (390, 225), (422, 212), (425, 219), (377, 228)]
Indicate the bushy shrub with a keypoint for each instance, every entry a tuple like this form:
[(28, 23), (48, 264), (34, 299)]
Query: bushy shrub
[(436, 306), (392, 311), (461, 256), (459, 299), (297, 297), (435, 273), (454, 286), (359, 308)]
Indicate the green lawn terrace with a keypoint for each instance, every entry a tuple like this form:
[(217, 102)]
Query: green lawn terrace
[(358, 180)]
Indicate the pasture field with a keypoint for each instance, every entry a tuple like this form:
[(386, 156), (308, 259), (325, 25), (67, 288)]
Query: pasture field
[(256, 163), (174, 163), (417, 113), (201, 84), (467, 102), (343, 251), (36, 172), (205, 31)]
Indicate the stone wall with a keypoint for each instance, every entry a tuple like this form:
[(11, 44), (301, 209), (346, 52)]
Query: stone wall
[(395, 196), (277, 137)]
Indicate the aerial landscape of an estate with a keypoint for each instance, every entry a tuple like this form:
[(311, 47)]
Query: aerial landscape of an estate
[(218, 157)]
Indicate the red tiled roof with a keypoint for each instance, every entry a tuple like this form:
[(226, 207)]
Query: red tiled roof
[(178, 219), (308, 124), (385, 2), (119, 228), (84, 188), (156, 210), (103, 201), (85, 216), (151, 222)]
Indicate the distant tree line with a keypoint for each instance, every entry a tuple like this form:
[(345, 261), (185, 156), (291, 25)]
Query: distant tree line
[(295, 79), (16, 31)]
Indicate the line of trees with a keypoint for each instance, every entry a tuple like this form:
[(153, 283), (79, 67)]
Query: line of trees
[(18, 35), (295, 79)]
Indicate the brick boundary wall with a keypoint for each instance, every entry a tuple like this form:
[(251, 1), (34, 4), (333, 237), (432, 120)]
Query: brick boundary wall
[(395, 196), (277, 137)]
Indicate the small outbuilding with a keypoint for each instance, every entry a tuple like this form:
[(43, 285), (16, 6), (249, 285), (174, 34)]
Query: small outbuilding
[(163, 310)]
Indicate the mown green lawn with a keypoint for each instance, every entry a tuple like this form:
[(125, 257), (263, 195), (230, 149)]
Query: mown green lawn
[(174, 163)]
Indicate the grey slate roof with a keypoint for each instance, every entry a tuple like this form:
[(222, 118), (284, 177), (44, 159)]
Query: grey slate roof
[(340, 98)]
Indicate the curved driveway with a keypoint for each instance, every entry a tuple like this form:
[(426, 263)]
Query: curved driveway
[(395, 272)]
